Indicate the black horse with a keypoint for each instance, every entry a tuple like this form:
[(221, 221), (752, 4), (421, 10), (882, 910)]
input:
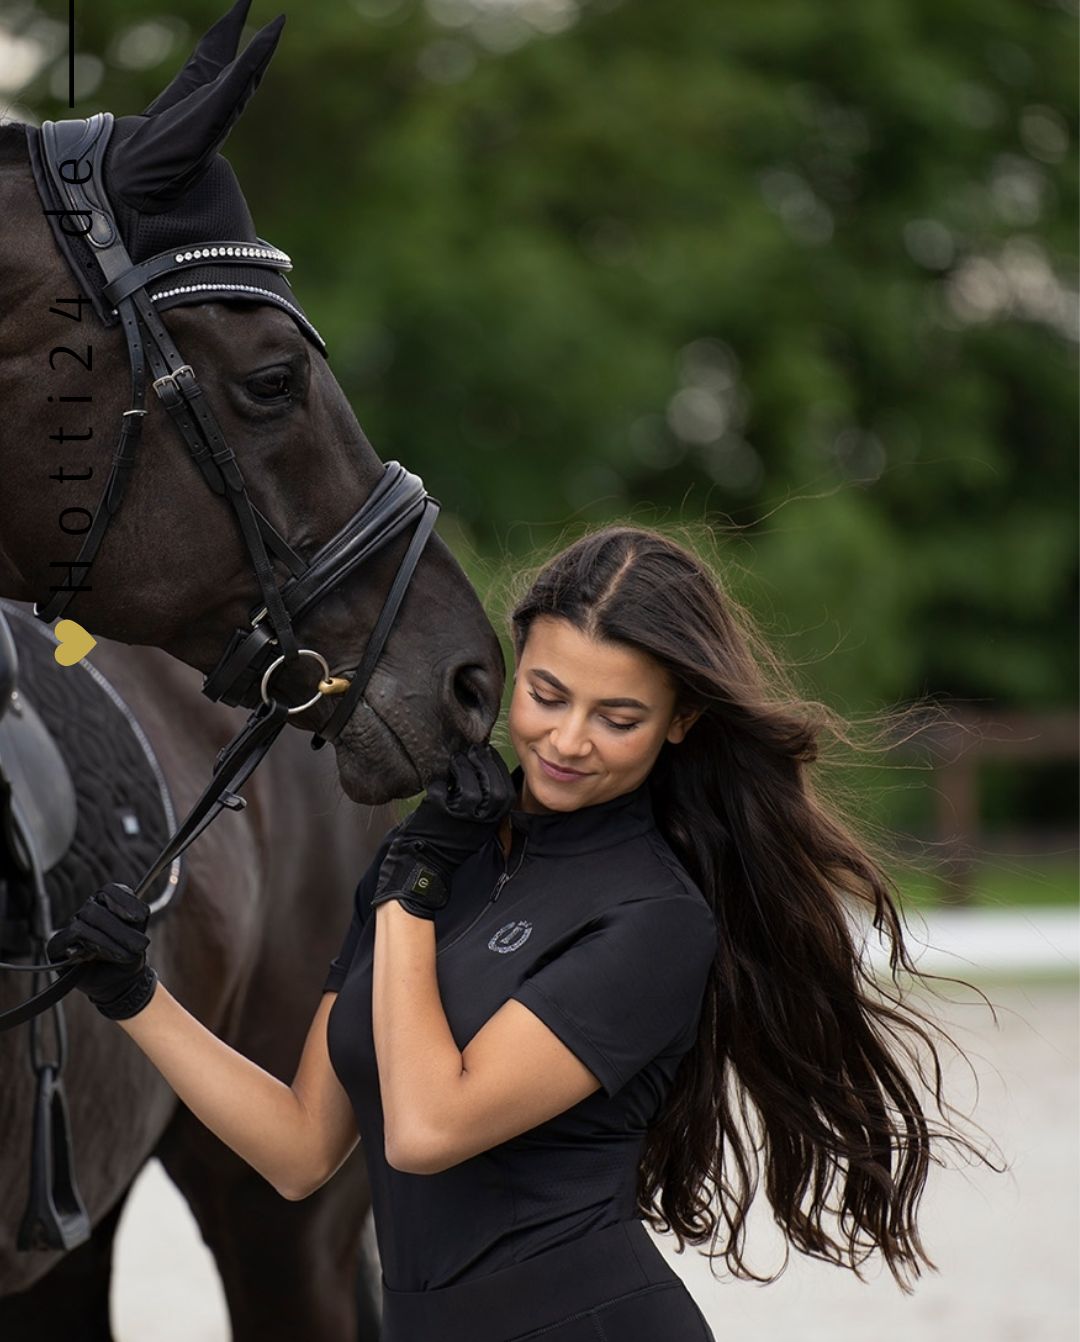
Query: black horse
[(267, 891)]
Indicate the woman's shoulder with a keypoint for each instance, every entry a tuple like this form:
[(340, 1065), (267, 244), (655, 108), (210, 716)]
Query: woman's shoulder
[(652, 886), (666, 868)]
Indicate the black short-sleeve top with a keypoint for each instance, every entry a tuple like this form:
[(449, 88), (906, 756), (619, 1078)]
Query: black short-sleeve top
[(594, 925)]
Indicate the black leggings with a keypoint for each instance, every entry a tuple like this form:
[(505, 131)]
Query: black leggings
[(612, 1285)]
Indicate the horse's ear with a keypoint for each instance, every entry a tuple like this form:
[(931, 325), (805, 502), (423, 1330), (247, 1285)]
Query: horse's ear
[(171, 151), (216, 49)]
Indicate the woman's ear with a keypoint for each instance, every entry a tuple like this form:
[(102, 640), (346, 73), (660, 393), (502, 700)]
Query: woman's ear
[(681, 724)]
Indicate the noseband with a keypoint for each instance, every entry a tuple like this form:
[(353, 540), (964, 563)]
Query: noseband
[(68, 159)]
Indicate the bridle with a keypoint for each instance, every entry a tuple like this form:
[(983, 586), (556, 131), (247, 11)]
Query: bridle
[(68, 158), (398, 500)]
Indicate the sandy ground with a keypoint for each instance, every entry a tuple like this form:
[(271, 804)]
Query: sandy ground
[(1006, 1245)]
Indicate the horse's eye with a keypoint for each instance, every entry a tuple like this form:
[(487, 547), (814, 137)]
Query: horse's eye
[(273, 384)]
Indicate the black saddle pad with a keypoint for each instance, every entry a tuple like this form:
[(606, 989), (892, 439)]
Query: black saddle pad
[(125, 811)]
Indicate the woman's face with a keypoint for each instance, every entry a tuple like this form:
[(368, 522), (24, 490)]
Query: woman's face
[(587, 718)]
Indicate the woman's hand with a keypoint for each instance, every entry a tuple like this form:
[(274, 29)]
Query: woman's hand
[(107, 934), (457, 816)]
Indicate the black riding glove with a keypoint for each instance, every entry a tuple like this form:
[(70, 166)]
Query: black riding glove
[(107, 934), (458, 815)]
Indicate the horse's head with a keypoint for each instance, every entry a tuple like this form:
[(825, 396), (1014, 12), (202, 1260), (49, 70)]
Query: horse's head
[(177, 564)]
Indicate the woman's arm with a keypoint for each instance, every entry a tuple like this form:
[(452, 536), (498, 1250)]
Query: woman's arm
[(419, 1063), (295, 1136), (441, 1106)]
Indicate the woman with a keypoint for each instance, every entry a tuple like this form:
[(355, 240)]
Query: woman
[(553, 980)]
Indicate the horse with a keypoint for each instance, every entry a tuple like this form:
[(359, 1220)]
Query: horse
[(169, 596)]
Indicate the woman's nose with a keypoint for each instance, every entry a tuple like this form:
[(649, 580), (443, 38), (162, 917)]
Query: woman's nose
[(570, 738)]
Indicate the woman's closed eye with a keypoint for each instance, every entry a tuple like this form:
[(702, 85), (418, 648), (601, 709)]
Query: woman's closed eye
[(554, 703)]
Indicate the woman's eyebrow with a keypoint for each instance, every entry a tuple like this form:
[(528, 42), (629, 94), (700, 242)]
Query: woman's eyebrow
[(557, 684)]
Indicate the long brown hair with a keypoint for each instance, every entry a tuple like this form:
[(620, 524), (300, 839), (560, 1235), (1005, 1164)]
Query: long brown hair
[(795, 1029)]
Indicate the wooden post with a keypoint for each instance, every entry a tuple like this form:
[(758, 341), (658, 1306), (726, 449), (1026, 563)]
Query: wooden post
[(963, 743)]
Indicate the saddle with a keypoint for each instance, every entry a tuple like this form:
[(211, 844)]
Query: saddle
[(81, 797), (9, 665), (38, 818), (37, 795), (80, 774)]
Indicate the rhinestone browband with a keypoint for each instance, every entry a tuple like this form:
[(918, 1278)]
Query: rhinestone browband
[(229, 253), (247, 288), (256, 253)]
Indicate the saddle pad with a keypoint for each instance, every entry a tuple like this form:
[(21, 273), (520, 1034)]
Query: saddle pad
[(125, 811)]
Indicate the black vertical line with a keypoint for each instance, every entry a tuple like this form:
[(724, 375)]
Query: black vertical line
[(71, 53)]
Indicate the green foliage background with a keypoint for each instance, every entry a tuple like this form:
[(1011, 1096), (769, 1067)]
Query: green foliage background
[(804, 272)]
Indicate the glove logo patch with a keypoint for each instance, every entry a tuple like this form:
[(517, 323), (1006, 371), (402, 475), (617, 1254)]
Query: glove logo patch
[(422, 881), (511, 937)]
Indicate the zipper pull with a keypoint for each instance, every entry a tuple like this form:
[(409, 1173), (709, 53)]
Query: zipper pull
[(508, 873)]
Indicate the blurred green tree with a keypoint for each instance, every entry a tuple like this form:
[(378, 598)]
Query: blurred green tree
[(807, 272)]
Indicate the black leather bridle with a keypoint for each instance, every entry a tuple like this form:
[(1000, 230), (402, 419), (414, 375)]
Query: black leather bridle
[(68, 159)]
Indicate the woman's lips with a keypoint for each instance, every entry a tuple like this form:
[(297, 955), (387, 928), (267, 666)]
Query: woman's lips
[(559, 775)]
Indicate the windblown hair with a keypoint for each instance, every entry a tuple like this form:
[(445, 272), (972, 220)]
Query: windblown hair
[(794, 1024)]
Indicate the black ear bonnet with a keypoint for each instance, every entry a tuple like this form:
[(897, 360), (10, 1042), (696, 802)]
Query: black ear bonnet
[(170, 190)]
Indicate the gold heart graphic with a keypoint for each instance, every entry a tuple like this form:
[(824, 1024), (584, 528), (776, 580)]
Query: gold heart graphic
[(72, 642)]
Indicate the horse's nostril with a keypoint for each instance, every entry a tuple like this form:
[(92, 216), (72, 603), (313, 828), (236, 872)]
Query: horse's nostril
[(472, 688)]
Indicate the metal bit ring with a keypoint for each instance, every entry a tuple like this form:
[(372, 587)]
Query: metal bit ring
[(303, 652)]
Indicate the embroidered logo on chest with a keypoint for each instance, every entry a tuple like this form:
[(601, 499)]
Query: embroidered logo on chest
[(510, 937)]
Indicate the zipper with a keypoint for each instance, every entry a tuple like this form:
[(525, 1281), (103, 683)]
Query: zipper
[(508, 875), (497, 890)]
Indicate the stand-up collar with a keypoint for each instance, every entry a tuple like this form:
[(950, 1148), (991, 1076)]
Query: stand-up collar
[(589, 827)]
